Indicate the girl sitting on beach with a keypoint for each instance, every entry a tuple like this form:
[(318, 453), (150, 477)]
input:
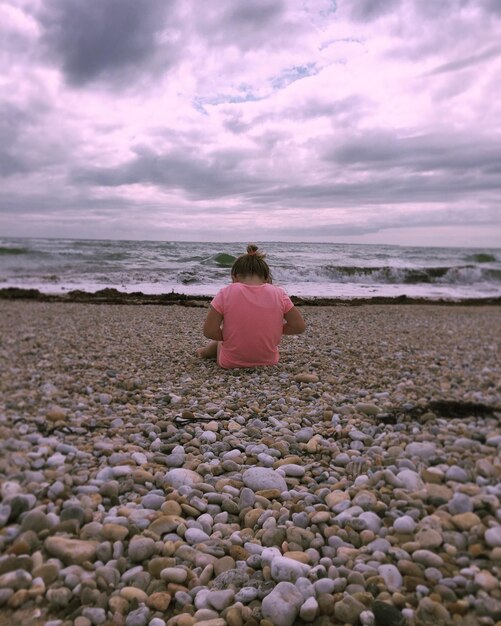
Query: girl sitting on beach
[(246, 319)]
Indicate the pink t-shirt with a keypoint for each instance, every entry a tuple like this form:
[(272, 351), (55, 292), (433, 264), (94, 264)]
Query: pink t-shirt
[(252, 325)]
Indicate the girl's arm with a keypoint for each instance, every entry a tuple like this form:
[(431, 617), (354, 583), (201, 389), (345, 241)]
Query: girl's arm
[(294, 322), (212, 325)]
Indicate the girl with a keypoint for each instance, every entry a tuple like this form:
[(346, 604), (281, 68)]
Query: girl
[(246, 318)]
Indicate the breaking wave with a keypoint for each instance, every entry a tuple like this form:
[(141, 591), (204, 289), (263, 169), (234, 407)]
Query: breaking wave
[(458, 275)]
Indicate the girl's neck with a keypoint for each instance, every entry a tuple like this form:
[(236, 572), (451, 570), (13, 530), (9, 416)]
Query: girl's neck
[(252, 279)]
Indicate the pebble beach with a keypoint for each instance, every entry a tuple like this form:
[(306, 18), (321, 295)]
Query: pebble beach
[(357, 482)]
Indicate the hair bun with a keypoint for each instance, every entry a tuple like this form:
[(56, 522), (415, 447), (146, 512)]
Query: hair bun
[(253, 250)]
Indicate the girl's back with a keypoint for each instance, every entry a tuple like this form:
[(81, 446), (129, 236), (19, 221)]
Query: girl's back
[(253, 322)]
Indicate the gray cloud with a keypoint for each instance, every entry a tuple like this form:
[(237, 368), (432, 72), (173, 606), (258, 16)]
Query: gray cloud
[(108, 39), (474, 59), (10, 121), (313, 147), (419, 153), (371, 10), (14, 122), (216, 176), (388, 220), (393, 173), (244, 25)]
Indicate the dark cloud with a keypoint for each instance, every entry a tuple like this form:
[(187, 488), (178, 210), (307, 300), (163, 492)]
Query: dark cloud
[(422, 153), (109, 39), (217, 176), (494, 6), (245, 25), (374, 189), (371, 10), (12, 121)]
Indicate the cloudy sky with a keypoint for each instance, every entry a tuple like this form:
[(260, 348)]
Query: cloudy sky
[(351, 121)]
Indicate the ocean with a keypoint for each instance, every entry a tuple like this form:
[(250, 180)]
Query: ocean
[(56, 266)]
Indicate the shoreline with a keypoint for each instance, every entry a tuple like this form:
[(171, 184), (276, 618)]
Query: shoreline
[(114, 296)]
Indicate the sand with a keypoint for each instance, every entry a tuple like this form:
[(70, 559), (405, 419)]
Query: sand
[(130, 493)]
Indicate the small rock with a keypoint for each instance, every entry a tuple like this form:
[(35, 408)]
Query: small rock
[(465, 521), (179, 476), (288, 570), (387, 615), (404, 524), (305, 377), (423, 450), (71, 551), (261, 478), (281, 606), (492, 537), (348, 610)]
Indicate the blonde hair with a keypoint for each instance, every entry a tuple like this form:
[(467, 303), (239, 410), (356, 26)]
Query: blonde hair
[(252, 263)]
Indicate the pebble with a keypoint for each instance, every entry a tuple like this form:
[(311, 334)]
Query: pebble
[(285, 569), (261, 478), (281, 606), (391, 576), (71, 551), (404, 524), (492, 537), (306, 493)]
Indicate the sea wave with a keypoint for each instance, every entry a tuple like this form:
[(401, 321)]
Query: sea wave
[(481, 257), (458, 275), (200, 267), (6, 250)]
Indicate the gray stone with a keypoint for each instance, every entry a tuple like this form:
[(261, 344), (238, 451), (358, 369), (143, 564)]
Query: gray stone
[(281, 606), (423, 450), (410, 480), (391, 576), (139, 617), (74, 511), (291, 469), (18, 579), (372, 521), (457, 474), (367, 408), (348, 610), (287, 570), (152, 501), (141, 548), (195, 535), (109, 473), (59, 597), (178, 477), (427, 558), (460, 503), (35, 520), (429, 612), (95, 615), (220, 599), (260, 478), (304, 435), (492, 537), (246, 595), (404, 524), (309, 609), (247, 498)]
